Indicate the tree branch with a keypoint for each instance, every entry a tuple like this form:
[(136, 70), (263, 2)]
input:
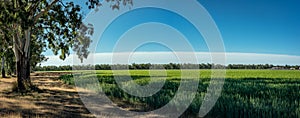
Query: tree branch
[(62, 4), (45, 10), (33, 8), (16, 47), (27, 42)]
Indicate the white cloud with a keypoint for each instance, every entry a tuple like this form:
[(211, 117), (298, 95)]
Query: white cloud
[(167, 57)]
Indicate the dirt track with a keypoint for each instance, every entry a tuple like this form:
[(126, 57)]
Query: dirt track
[(54, 100)]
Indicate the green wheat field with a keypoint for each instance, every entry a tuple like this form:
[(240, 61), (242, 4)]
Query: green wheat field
[(246, 93)]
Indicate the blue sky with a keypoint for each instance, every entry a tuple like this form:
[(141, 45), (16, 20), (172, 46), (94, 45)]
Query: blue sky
[(258, 26), (252, 26)]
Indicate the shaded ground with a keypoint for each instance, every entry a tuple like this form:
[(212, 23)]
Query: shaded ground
[(54, 100)]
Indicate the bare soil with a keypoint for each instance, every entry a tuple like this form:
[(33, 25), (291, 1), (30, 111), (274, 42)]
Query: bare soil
[(55, 99)]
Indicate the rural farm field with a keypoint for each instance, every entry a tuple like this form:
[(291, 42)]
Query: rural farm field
[(149, 58), (246, 93)]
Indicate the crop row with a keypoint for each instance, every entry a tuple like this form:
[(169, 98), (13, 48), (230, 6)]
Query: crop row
[(246, 93)]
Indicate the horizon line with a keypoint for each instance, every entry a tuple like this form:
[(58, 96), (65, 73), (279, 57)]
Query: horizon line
[(163, 57)]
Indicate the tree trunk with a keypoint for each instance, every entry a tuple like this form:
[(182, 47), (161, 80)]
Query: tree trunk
[(2, 68), (22, 54), (23, 72)]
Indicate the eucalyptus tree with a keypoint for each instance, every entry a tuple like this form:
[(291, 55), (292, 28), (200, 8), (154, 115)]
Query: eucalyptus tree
[(3, 52), (10, 62), (54, 24)]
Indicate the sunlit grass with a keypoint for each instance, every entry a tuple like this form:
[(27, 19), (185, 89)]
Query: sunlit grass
[(246, 93)]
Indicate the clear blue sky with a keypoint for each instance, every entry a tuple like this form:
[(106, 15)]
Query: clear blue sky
[(250, 26), (247, 26), (258, 26)]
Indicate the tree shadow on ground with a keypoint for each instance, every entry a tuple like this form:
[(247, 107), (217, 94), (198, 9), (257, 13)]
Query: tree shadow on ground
[(54, 99)]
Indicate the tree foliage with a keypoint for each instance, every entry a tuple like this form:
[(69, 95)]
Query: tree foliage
[(45, 24), (55, 24)]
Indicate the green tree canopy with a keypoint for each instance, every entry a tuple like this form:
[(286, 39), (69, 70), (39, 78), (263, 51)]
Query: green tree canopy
[(50, 24)]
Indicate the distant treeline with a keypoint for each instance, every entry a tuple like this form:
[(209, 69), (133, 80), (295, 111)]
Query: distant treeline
[(165, 66)]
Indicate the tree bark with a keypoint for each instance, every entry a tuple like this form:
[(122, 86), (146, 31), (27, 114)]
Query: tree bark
[(2, 68), (23, 72), (22, 54)]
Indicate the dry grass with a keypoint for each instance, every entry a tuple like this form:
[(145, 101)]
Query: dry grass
[(12, 115), (55, 99)]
